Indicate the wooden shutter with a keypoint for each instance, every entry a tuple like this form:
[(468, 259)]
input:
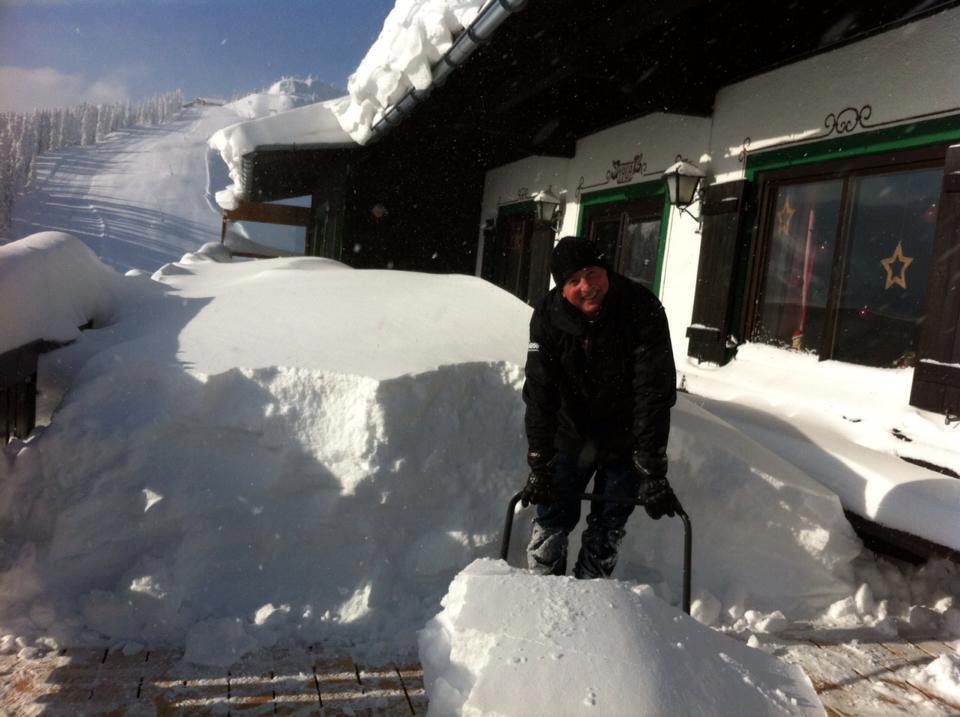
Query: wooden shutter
[(541, 247), (722, 211), (936, 379)]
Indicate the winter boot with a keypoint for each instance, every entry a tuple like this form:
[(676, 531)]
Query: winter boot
[(547, 551), (599, 550)]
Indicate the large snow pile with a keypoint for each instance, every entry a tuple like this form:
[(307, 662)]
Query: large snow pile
[(278, 444), (509, 643), (337, 444), (50, 285), (415, 35), (284, 94), (293, 450), (849, 427)]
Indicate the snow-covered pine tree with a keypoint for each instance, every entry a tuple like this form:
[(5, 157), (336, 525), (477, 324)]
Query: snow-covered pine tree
[(104, 119), (25, 136), (89, 117), (43, 130), (26, 149), (6, 176)]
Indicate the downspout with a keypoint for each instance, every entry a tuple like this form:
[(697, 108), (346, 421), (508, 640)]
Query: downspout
[(479, 31)]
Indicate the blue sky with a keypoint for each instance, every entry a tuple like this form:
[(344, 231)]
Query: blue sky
[(61, 52)]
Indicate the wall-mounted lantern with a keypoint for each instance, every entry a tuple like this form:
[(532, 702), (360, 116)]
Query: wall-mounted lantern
[(547, 207), (683, 181)]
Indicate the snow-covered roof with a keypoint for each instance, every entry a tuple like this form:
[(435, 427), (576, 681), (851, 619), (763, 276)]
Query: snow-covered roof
[(311, 126), (415, 36)]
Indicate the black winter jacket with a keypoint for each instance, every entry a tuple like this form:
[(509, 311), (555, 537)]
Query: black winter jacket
[(605, 385)]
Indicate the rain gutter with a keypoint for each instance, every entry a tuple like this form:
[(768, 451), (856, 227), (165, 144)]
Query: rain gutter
[(479, 32)]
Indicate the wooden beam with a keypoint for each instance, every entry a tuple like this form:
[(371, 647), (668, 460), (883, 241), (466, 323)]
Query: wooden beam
[(269, 213)]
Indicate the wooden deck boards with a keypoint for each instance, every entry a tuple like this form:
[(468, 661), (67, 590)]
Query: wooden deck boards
[(869, 679), (853, 679), (275, 682)]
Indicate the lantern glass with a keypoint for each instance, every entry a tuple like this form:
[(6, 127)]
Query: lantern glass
[(546, 205), (686, 190), (682, 180)]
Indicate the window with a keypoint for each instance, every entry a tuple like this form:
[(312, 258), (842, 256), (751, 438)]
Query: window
[(802, 239), (847, 256), (266, 229), (629, 234)]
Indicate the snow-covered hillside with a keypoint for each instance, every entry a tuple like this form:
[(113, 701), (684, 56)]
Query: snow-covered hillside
[(284, 94), (140, 199), (145, 196)]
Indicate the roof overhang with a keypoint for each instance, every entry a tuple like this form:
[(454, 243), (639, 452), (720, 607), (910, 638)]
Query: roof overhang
[(562, 69)]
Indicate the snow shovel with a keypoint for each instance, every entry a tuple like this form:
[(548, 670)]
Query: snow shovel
[(687, 534)]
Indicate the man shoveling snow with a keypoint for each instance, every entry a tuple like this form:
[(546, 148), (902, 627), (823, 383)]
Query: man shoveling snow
[(599, 387)]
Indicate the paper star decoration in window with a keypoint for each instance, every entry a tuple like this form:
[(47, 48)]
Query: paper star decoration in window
[(784, 215), (905, 261)]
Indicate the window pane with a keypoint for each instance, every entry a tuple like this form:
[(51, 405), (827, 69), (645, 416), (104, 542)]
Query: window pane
[(266, 239), (885, 274), (800, 257), (642, 242), (606, 232)]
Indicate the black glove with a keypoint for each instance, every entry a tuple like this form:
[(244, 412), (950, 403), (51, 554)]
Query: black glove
[(656, 495), (539, 487)]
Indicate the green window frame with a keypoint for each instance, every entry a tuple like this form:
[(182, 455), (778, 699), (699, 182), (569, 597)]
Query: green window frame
[(626, 193), (852, 158)]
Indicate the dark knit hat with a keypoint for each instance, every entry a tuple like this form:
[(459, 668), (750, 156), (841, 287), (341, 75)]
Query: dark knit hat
[(571, 254)]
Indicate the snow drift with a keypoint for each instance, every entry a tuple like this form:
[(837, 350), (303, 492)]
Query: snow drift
[(509, 642), (50, 285), (293, 450)]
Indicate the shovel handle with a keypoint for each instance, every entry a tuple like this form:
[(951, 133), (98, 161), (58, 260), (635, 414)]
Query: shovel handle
[(682, 514)]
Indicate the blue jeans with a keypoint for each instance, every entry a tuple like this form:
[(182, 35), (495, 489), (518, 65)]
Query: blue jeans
[(600, 545)]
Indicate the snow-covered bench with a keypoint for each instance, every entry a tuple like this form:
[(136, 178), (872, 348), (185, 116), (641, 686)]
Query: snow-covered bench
[(51, 287)]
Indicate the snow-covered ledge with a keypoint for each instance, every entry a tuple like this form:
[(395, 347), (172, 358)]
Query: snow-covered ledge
[(51, 283)]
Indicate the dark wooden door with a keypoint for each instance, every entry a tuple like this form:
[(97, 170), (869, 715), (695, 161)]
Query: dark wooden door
[(509, 254)]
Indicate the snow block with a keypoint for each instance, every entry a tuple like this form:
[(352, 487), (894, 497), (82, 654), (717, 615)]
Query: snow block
[(511, 642)]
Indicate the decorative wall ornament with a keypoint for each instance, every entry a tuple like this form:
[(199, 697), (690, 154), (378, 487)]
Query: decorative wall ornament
[(898, 257), (523, 195), (847, 120), (622, 171)]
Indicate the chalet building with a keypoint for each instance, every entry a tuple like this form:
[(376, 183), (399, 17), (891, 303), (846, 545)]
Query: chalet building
[(828, 136)]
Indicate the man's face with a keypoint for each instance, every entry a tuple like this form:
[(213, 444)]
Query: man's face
[(586, 289)]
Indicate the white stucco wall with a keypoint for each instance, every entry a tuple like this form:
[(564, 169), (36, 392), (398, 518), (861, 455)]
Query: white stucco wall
[(657, 139), (909, 71), (511, 182), (505, 184)]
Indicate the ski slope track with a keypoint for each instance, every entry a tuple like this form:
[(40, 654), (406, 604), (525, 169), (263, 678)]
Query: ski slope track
[(140, 199)]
